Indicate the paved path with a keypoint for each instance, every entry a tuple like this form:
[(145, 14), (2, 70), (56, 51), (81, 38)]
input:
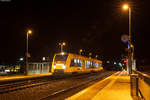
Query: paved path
[(115, 87)]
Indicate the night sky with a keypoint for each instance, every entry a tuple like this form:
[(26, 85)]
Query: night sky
[(92, 25)]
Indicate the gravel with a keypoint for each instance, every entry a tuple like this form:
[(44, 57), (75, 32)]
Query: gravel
[(38, 92)]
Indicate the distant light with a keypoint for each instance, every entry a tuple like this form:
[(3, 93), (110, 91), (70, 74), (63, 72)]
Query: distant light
[(107, 61), (29, 32), (43, 58), (62, 53), (21, 59), (96, 56), (115, 63), (7, 70), (63, 43), (125, 61), (81, 50), (125, 6), (132, 46), (90, 54)]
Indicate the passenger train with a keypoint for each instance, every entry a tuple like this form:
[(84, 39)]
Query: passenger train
[(73, 63)]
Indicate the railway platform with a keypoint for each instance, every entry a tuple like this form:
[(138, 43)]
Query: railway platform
[(115, 87), (19, 77)]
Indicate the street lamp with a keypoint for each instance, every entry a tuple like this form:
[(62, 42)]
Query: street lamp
[(21, 59), (80, 51), (29, 32), (61, 45), (96, 56), (130, 52), (126, 7), (43, 58)]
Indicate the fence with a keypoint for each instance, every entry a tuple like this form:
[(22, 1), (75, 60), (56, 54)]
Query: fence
[(141, 84)]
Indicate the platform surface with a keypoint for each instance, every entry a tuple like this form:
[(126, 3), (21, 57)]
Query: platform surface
[(114, 87), (16, 77)]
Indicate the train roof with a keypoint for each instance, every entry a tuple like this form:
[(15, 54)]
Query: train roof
[(64, 53)]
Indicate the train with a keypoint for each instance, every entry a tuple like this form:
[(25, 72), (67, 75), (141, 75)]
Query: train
[(69, 63)]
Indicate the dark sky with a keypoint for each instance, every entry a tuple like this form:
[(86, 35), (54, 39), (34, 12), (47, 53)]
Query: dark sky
[(93, 25)]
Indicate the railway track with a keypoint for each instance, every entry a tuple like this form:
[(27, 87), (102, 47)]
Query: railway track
[(60, 92), (14, 86), (9, 87)]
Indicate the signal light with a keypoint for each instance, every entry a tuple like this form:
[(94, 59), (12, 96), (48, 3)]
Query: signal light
[(125, 61)]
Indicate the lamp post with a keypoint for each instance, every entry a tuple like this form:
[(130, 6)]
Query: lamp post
[(130, 52), (61, 45), (125, 7), (27, 53)]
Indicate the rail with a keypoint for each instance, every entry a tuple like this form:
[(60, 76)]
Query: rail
[(29, 83), (85, 83), (143, 85)]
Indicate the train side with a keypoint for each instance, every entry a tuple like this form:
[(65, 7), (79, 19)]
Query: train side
[(72, 63)]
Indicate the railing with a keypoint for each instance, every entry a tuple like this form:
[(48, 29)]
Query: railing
[(141, 82)]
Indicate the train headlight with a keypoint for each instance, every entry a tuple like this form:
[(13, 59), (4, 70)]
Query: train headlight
[(63, 67), (54, 66)]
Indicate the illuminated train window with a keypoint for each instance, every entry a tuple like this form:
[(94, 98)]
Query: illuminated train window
[(87, 64), (90, 64), (76, 62)]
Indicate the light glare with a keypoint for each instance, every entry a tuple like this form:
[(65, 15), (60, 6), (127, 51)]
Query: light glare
[(54, 67), (64, 43), (81, 50), (29, 32), (64, 67), (21, 59), (62, 53), (125, 6), (43, 58)]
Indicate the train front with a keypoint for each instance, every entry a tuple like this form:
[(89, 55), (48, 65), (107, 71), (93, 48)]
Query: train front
[(59, 63)]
